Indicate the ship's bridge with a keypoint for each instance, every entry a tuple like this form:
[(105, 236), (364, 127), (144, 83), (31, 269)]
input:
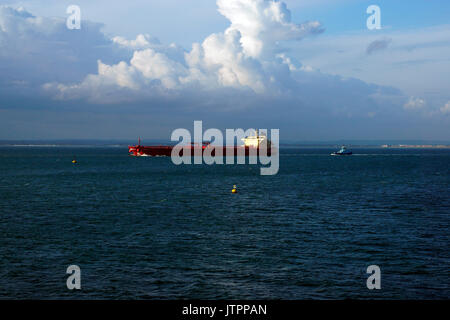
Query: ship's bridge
[(256, 140)]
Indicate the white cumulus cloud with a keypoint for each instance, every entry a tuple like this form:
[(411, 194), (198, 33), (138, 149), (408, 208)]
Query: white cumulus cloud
[(40, 49), (414, 103), (262, 24), (245, 56)]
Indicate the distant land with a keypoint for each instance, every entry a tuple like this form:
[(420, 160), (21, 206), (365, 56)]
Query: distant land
[(283, 143), (437, 146)]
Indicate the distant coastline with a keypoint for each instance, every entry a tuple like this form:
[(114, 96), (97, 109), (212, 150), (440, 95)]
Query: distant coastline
[(123, 143), (416, 146)]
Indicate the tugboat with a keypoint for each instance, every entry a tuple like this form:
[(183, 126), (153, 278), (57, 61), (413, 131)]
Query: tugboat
[(342, 152)]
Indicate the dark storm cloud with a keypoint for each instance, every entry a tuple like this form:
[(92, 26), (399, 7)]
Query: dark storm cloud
[(378, 45)]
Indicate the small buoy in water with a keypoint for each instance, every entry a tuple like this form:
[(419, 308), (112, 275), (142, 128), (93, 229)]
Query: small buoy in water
[(234, 190), (74, 161)]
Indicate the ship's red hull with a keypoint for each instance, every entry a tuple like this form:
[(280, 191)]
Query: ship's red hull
[(166, 151)]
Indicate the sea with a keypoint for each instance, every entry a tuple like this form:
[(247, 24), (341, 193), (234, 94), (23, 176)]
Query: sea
[(145, 228)]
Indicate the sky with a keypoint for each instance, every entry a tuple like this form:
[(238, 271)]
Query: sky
[(312, 69)]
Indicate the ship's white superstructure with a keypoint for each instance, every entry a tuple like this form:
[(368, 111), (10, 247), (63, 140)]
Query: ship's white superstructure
[(256, 140)]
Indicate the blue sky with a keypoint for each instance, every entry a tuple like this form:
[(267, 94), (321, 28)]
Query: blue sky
[(348, 16), (200, 18), (144, 68)]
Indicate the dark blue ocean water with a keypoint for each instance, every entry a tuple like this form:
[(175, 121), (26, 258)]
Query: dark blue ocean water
[(143, 228)]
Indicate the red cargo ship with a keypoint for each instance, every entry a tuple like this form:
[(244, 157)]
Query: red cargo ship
[(250, 144)]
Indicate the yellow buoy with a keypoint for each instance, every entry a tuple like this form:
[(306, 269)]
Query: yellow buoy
[(234, 190), (74, 161)]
